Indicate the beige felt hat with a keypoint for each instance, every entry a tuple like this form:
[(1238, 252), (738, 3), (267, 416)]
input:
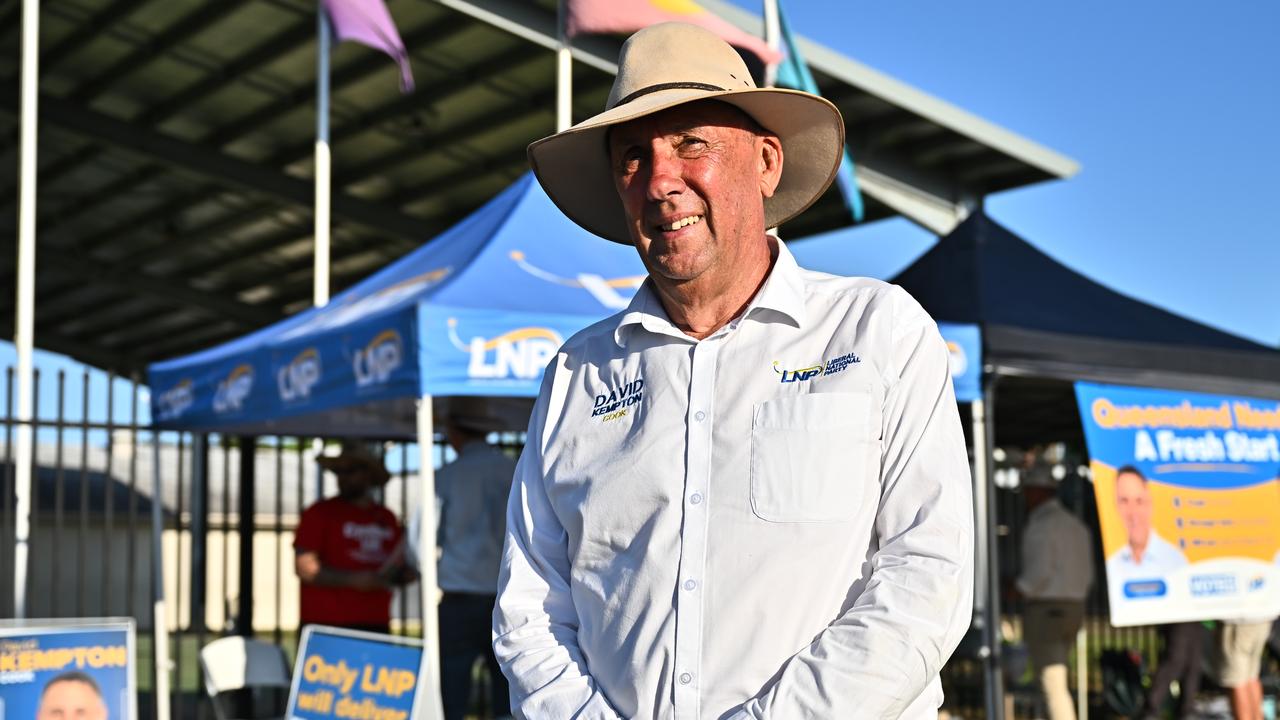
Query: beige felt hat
[(671, 64)]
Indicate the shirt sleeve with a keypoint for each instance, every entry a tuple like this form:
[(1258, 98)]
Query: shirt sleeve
[(535, 624), (877, 658), (309, 536)]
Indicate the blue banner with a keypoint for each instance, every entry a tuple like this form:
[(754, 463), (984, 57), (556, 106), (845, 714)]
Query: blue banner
[(347, 674), (354, 364), (964, 343), (1188, 491), (73, 669)]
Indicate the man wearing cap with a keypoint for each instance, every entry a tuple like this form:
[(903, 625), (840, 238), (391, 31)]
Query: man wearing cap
[(344, 549), (1057, 569), (746, 495)]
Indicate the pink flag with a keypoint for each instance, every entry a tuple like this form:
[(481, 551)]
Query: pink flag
[(369, 23), (627, 16)]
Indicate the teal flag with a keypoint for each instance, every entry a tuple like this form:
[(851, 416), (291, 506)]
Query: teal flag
[(793, 72)]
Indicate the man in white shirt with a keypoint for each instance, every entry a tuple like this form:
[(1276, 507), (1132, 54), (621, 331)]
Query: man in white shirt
[(1057, 569), (1146, 556), (747, 494), (471, 501)]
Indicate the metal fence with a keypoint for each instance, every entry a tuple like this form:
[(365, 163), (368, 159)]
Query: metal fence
[(97, 469), (96, 476)]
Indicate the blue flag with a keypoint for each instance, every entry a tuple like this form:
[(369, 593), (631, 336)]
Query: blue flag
[(793, 72)]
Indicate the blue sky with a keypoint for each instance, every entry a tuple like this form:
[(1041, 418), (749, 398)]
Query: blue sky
[(1171, 108)]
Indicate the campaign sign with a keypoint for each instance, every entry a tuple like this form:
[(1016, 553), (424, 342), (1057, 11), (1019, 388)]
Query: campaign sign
[(350, 674), (55, 669), (1188, 491), (964, 347)]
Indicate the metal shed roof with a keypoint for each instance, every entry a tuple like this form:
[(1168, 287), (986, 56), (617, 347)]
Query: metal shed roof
[(176, 139)]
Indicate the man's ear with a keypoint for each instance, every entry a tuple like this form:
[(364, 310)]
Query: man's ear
[(770, 164)]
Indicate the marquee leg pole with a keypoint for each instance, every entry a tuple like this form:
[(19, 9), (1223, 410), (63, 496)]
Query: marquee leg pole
[(429, 675), (987, 561)]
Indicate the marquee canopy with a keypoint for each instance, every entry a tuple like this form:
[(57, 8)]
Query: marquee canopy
[(476, 312)]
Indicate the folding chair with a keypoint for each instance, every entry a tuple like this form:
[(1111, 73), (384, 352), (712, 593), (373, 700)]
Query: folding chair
[(246, 679)]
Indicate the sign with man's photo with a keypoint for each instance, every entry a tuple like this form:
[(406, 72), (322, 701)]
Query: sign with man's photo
[(60, 669), (1188, 489)]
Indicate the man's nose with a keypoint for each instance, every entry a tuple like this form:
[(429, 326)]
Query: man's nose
[(666, 176)]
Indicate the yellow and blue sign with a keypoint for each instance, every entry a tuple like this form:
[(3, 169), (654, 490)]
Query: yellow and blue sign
[(1188, 491), (68, 669), (964, 348), (349, 674)]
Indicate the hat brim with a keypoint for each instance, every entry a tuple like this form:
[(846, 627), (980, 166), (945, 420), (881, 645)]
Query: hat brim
[(574, 168), (338, 463)]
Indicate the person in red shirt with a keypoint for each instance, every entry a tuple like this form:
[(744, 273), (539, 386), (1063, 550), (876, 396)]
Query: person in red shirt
[(344, 549)]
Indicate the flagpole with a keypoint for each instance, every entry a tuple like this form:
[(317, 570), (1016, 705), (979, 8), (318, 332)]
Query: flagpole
[(564, 71), (772, 38), (323, 162), (24, 322)]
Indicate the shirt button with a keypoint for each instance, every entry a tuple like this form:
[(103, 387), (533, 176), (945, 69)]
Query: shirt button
[(685, 678), (690, 584), (699, 416), (695, 498)]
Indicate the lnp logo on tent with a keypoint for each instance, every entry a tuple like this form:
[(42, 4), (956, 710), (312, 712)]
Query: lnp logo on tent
[(603, 290), (521, 353), (298, 377), (381, 357), (176, 400), (231, 392)]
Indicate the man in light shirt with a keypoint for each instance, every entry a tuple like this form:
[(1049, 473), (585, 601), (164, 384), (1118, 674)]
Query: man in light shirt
[(747, 494), (1057, 569), (1145, 556)]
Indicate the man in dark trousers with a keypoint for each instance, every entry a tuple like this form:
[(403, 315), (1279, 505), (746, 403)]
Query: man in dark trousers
[(471, 496)]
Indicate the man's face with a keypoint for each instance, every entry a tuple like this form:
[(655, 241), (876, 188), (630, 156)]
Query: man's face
[(1134, 503), (692, 181), (71, 700), (354, 481)]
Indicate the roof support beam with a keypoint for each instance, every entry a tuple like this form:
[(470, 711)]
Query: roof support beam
[(201, 161), (127, 279)]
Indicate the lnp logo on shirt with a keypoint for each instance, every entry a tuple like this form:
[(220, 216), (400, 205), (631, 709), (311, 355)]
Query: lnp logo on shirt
[(828, 367), (614, 404)]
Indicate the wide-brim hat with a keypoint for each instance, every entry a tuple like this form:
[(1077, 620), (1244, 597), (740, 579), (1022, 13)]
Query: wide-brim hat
[(355, 458), (671, 64)]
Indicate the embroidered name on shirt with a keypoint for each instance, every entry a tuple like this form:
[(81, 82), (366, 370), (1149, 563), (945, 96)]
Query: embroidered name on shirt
[(830, 367), (613, 404)]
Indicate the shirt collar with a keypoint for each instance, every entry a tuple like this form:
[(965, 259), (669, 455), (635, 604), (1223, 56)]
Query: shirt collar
[(782, 293)]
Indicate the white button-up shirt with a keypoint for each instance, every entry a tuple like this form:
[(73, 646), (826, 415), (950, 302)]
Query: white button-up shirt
[(471, 500), (1057, 555), (1159, 559), (774, 521)]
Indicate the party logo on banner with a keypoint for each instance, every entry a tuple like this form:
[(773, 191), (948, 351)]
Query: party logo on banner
[(521, 353), (1188, 494)]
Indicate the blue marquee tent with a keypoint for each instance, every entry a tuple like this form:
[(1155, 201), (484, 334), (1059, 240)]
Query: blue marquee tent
[(478, 311)]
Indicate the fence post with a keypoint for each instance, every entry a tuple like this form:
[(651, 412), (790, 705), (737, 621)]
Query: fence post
[(248, 456), (199, 532)]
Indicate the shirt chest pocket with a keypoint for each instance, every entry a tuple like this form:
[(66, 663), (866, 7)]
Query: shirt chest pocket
[(812, 456)]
